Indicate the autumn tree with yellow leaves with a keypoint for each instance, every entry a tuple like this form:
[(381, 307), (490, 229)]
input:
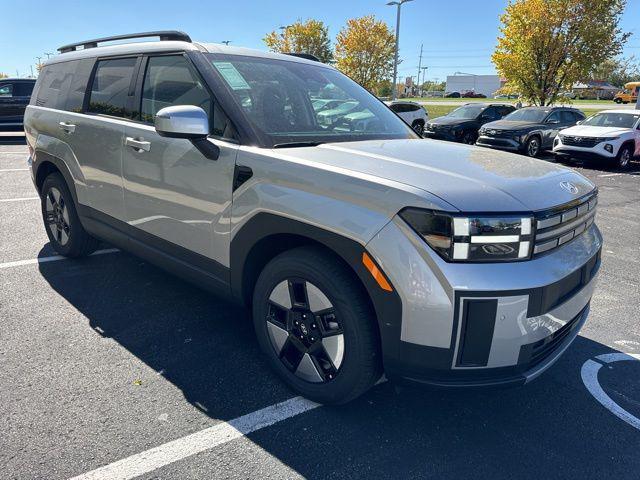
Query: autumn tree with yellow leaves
[(311, 36), (546, 46), (364, 51)]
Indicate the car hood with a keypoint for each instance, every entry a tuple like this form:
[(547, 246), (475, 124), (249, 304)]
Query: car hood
[(471, 179), (512, 125), (590, 131)]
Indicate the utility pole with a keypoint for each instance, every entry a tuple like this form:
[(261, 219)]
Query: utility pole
[(48, 54), (420, 68), (424, 74), (31, 66), (394, 94)]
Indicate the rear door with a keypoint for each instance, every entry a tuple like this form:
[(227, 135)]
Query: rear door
[(172, 191), (96, 136), (554, 124)]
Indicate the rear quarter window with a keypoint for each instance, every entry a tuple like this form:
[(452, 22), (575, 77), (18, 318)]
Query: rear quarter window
[(24, 89), (53, 85), (78, 87)]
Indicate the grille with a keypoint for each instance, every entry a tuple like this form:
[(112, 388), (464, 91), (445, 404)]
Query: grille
[(495, 141), (564, 224), (586, 142), (493, 132)]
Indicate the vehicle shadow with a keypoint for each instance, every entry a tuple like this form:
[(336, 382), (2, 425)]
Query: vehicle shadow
[(205, 346)]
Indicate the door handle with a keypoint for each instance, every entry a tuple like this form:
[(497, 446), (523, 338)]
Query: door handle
[(67, 127), (138, 144)]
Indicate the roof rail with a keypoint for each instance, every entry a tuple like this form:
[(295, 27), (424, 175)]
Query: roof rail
[(306, 56), (163, 34)]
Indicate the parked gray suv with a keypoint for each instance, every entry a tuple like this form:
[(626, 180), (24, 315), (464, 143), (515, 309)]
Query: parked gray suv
[(360, 248)]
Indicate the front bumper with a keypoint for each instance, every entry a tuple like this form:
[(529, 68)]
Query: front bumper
[(499, 143), (448, 135), (597, 152), (482, 324)]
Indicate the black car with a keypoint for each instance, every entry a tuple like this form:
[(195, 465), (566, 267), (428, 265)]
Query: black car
[(528, 130), (15, 94), (462, 124)]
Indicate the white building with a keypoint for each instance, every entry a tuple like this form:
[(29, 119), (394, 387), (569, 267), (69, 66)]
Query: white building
[(485, 84)]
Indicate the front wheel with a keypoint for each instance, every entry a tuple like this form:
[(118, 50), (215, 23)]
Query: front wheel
[(314, 322), (623, 159), (418, 127), (532, 148), (469, 138)]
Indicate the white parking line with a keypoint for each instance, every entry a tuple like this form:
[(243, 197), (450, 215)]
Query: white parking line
[(23, 199), (589, 374), (53, 258), (13, 169), (201, 441), (610, 175)]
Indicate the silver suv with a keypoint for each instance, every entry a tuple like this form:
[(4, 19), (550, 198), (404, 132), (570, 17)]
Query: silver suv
[(361, 248)]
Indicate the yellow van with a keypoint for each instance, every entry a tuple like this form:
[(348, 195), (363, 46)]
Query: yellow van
[(630, 93)]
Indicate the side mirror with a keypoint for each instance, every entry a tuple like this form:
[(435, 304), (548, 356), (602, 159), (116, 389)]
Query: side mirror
[(579, 122), (190, 122), (182, 121)]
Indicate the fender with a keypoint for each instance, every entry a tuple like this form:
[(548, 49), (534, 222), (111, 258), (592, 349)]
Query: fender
[(266, 235), (40, 159)]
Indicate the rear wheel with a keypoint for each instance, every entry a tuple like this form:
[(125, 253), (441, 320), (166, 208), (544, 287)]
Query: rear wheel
[(314, 322), (617, 100), (61, 221)]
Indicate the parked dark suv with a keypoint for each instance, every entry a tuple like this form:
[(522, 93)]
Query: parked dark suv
[(15, 94), (462, 124), (528, 130)]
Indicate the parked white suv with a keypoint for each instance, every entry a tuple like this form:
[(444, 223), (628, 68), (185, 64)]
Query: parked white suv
[(412, 113), (612, 136)]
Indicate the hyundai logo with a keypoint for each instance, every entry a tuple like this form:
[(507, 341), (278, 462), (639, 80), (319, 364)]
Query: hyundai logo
[(491, 132), (569, 187), (498, 249)]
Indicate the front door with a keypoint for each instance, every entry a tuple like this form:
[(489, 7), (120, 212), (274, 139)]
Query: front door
[(171, 190)]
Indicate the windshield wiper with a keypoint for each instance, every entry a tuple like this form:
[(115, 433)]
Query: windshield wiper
[(297, 144)]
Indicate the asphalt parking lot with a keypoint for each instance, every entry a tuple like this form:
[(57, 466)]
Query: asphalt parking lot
[(111, 368)]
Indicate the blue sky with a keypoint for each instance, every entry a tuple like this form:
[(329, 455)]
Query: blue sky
[(457, 36)]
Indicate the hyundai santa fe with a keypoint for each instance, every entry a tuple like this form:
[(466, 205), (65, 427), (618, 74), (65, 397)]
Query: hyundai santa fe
[(360, 248)]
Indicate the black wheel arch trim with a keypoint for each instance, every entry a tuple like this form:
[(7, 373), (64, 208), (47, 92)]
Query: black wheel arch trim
[(41, 159), (260, 237)]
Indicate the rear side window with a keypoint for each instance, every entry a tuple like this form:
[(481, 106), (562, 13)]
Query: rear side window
[(568, 117), (24, 89), (6, 90), (110, 87), (78, 87), (502, 111)]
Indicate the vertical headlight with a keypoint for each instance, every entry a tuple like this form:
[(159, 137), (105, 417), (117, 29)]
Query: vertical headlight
[(473, 238)]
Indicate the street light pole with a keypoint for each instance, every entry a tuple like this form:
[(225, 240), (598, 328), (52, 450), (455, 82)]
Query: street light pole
[(394, 90)]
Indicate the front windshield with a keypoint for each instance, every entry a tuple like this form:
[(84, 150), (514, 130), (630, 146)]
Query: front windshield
[(289, 102), (527, 115), (468, 112), (609, 119)]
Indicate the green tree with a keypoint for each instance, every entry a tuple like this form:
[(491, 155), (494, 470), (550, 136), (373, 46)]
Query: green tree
[(618, 71), (311, 37), (364, 51), (546, 46)]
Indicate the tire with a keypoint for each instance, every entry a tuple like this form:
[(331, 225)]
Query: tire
[(330, 358), (617, 100), (418, 127), (469, 138), (533, 147), (624, 157), (61, 222)]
